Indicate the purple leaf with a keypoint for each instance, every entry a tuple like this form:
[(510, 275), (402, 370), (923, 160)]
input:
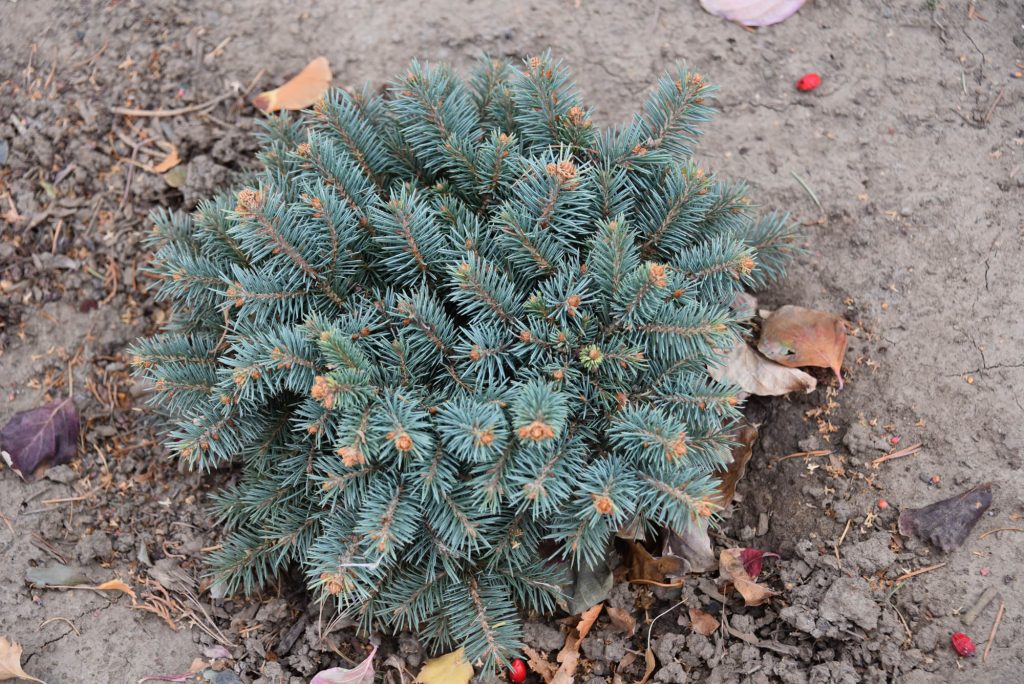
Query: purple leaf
[(753, 12), (751, 559), (360, 674), (945, 524), (40, 438)]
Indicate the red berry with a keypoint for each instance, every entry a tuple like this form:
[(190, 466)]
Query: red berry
[(961, 642), (517, 673), (808, 81)]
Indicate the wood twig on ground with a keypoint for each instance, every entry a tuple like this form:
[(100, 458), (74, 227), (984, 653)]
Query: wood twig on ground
[(803, 454), (981, 604), (907, 451), (920, 571), (62, 619), (1000, 529), (159, 113), (992, 634), (810, 192)]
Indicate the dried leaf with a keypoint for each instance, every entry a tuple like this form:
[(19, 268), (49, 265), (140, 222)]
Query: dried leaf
[(946, 524), (10, 662), (693, 547), (744, 436), (300, 92), (753, 12), (217, 652), (751, 559), (116, 585), (651, 663), (730, 569), (360, 674), (451, 668), (703, 623), (590, 586), (755, 374), (622, 620), (170, 161), (643, 567), (54, 575), (41, 437), (795, 336), (539, 663), (569, 657)]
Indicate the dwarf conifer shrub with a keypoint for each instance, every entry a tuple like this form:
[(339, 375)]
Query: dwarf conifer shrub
[(451, 328)]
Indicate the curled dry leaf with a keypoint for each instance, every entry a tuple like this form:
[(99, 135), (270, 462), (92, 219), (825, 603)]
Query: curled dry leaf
[(753, 12), (945, 524), (744, 438), (646, 569), (754, 374), (360, 674), (540, 664), (622, 620), (170, 161), (692, 546), (703, 623), (752, 558), (10, 662), (651, 662), (41, 437), (451, 668), (300, 92), (795, 336), (569, 657), (116, 585), (731, 569)]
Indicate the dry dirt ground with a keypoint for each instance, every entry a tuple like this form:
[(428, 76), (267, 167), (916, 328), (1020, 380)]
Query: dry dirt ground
[(913, 148)]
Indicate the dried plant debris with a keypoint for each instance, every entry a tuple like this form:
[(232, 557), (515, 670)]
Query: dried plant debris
[(301, 91), (796, 337), (360, 674), (744, 438), (753, 12), (754, 374), (36, 439), (946, 524)]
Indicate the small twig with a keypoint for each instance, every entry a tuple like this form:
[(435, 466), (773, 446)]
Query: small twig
[(919, 571), (981, 604), (912, 449), (803, 454), (159, 113), (810, 192), (1001, 529), (664, 585), (910, 635), (992, 108), (70, 499), (658, 617), (70, 624), (842, 538), (992, 634), (252, 84)]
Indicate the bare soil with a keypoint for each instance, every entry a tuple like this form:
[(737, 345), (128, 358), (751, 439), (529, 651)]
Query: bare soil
[(913, 150)]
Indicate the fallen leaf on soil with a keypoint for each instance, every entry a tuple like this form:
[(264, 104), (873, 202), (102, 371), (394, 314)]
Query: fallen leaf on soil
[(692, 547), (360, 674), (217, 652), (451, 668), (751, 559), (569, 657), (540, 664), (115, 585), (645, 568), (703, 623), (730, 569), (754, 374), (36, 439), (590, 586), (651, 663), (55, 574), (300, 92), (170, 161), (945, 524), (744, 437), (10, 662), (622, 620), (795, 336), (753, 12)]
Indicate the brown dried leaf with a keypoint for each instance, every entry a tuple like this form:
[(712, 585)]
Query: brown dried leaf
[(300, 92), (946, 524), (170, 161), (116, 585), (622, 620), (703, 623), (693, 547), (644, 568), (730, 569), (745, 436), (539, 663), (569, 656), (795, 336), (651, 663), (587, 620), (755, 374), (10, 662)]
